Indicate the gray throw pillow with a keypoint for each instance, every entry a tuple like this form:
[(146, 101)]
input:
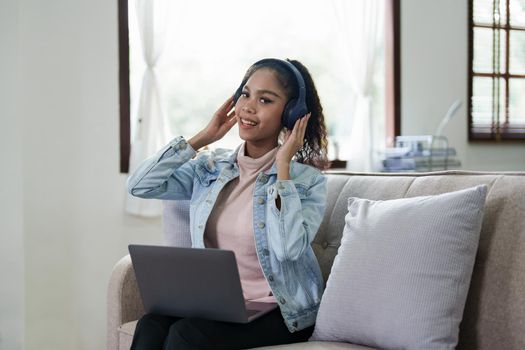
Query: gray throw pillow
[(402, 273)]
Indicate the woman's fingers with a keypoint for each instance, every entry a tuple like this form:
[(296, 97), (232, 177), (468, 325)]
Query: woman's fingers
[(226, 107), (227, 103), (228, 122), (296, 127), (299, 128), (232, 120), (304, 124), (231, 112)]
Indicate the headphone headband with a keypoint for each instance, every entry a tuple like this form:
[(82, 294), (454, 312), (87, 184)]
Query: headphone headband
[(298, 76)]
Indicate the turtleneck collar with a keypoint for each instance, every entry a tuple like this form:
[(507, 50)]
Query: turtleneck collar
[(255, 164)]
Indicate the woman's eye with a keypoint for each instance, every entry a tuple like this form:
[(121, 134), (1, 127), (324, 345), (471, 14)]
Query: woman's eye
[(244, 94), (265, 100)]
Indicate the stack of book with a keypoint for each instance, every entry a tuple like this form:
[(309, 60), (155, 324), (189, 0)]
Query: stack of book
[(419, 153)]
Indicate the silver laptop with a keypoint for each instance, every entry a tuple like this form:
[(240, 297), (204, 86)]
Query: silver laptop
[(193, 282)]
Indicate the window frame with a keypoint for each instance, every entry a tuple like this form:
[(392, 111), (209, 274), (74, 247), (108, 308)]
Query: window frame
[(124, 86), (393, 79), (497, 133)]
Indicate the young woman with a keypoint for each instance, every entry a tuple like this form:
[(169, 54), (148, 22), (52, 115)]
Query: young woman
[(265, 201)]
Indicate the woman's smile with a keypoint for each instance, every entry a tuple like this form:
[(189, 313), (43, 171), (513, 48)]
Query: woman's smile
[(247, 123)]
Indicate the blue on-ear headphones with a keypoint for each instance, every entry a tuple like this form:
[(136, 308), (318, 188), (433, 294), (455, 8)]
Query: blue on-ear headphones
[(296, 107)]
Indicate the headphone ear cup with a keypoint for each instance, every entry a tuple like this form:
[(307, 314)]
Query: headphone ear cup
[(290, 114)]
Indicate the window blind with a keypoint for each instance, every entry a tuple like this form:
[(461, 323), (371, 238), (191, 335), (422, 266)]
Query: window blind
[(497, 70)]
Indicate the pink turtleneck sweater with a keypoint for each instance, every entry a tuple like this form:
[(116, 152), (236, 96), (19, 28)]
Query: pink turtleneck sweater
[(230, 225)]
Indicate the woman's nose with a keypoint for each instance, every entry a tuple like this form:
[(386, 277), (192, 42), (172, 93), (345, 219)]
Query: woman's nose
[(247, 107)]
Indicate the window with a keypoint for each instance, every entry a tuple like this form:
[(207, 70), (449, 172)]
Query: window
[(497, 70), (193, 88)]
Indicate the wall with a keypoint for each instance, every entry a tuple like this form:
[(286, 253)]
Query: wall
[(434, 73), (74, 228), (11, 192)]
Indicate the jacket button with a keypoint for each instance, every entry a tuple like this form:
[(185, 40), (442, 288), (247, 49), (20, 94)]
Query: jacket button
[(270, 278), (260, 200), (200, 226), (325, 245), (264, 179), (282, 300), (261, 225), (266, 252)]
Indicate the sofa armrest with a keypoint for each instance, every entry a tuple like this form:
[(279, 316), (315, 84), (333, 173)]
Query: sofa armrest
[(124, 303)]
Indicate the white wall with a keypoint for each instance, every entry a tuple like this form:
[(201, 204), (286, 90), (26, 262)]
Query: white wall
[(11, 193), (66, 226), (434, 73)]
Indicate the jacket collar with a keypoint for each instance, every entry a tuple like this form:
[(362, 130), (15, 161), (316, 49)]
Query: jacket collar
[(233, 156), (272, 170)]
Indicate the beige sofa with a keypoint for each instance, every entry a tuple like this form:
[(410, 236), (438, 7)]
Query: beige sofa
[(494, 315)]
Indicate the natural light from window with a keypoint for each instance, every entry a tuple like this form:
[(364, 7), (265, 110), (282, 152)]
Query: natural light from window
[(210, 45)]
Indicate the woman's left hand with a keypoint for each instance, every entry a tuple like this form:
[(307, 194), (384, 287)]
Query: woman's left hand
[(293, 141)]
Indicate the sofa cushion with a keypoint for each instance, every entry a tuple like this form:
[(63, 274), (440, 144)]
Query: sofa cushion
[(176, 223), (317, 345), (125, 335), (401, 275)]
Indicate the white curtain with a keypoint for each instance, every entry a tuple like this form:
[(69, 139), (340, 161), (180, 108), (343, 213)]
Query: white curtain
[(152, 128), (359, 21)]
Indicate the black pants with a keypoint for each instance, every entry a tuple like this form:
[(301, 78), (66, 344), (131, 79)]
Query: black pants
[(164, 332)]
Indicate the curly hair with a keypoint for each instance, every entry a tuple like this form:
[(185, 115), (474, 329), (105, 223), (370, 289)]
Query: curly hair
[(314, 150)]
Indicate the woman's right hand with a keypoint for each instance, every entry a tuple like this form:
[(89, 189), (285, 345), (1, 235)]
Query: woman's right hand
[(222, 121)]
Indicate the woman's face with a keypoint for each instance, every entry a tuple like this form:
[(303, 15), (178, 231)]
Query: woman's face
[(259, 108)]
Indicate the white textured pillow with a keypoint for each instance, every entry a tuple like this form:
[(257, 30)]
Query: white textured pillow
[(176, 223), (402, 273)]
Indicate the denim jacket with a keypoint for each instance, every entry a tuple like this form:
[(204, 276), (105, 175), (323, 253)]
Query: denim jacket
[(282, 237)]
